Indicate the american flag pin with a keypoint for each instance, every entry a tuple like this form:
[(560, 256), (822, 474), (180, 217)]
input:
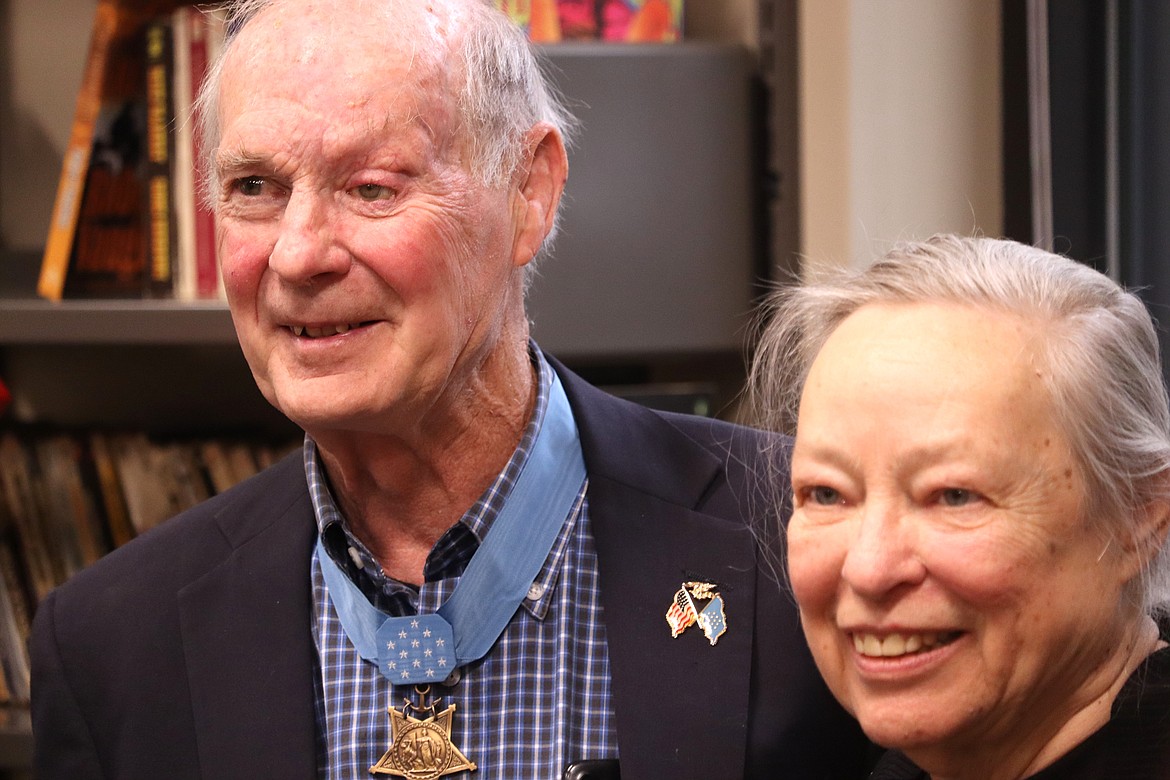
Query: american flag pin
[(697, 602)]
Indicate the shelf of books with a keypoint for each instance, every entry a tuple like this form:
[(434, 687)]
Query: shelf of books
[(127, 221), (69, 497)]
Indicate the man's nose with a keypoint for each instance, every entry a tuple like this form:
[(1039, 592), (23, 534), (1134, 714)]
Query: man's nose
[(306, 248)]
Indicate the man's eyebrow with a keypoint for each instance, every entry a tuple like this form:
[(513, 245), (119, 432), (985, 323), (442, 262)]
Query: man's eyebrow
[(228, 161)]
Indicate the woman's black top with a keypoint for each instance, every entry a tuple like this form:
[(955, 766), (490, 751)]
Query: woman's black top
[(1133, 745)]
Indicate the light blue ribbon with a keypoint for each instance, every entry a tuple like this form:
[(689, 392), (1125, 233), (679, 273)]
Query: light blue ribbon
[(426, 648)]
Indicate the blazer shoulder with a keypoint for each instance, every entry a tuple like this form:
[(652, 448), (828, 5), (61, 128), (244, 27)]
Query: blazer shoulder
[(746, 443), (698, 462)]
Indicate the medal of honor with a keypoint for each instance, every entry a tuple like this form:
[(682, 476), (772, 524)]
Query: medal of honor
[(421, 749), (420, 649)]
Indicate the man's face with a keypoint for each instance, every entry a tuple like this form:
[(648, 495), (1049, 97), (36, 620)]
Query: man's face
[(369, 274)]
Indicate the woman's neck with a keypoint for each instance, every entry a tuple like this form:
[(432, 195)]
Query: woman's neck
[(1028, 759)]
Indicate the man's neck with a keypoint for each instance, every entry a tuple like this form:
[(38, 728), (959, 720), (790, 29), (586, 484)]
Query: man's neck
[(399, 495)]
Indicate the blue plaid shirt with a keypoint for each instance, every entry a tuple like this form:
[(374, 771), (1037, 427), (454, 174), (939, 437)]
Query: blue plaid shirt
[(537, 702)]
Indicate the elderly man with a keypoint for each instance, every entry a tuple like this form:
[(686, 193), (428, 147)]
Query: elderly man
[(479, 564)]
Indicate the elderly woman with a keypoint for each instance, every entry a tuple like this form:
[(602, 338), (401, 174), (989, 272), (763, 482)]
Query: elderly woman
[(981, 492)]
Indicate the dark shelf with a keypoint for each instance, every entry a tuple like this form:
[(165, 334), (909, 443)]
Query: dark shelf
[(78, 322), (26, 319), (15, 738)]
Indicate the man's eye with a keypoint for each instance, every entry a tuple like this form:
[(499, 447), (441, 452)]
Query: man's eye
[(956, 497), (250, 186), (373, 192), (823, 496)]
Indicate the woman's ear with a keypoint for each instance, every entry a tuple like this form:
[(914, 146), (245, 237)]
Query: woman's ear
[(1144, 542), (541, 182)]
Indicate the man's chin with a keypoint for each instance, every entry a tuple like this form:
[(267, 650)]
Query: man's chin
[(321, 420)]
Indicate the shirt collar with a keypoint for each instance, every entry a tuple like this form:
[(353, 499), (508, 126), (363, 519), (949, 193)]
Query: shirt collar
[(353, 556)]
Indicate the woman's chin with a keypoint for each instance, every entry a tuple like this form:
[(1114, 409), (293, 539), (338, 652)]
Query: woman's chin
[(914, 723)]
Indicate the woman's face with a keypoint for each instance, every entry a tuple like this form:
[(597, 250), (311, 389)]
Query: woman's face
[(952, 593)]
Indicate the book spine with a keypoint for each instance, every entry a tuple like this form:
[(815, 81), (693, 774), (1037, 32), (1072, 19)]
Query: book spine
[(217, 26), (206, 268), (67, 205), (109, 246), (183, 23), (51, 482), (118, 524), (19, 495), (14, 629), (159, 114)]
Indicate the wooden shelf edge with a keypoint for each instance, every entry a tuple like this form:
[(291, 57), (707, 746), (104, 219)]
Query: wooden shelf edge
[(35, 321)]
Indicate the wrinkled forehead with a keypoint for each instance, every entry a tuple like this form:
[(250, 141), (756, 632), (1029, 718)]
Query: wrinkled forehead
[(348, 51), (307, 23)]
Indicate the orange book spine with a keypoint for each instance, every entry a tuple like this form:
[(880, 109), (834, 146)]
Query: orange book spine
[(59, 243)]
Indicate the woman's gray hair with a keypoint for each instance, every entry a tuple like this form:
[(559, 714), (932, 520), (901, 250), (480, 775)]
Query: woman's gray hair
[(503, 93), (1100, 347)]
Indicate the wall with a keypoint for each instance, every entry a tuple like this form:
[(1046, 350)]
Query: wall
[(42, 51), (900, 124)]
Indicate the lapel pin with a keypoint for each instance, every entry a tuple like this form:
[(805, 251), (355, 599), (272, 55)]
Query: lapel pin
[(697, 602)]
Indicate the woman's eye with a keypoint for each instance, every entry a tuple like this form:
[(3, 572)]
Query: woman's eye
[(373, 192), (823, 496), (956, 497), (249, 186)]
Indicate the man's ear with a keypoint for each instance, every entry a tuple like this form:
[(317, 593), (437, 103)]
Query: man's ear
[(538, 191)]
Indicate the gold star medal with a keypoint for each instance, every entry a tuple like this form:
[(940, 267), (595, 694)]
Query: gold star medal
[(421, 749)]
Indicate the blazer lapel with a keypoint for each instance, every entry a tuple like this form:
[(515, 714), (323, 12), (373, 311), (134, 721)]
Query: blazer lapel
[(249, 650), (646, 549), (650, 539)]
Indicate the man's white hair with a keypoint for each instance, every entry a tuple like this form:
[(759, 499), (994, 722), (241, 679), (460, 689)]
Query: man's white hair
[(503, 92)]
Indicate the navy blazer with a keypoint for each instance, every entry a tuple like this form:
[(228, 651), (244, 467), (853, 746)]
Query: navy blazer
[(187, 653)]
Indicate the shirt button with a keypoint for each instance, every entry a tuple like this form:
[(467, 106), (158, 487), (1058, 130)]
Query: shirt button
[(453, 678), (535, 591)]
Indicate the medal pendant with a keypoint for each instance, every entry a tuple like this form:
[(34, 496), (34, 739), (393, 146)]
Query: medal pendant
[(421, 749)]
